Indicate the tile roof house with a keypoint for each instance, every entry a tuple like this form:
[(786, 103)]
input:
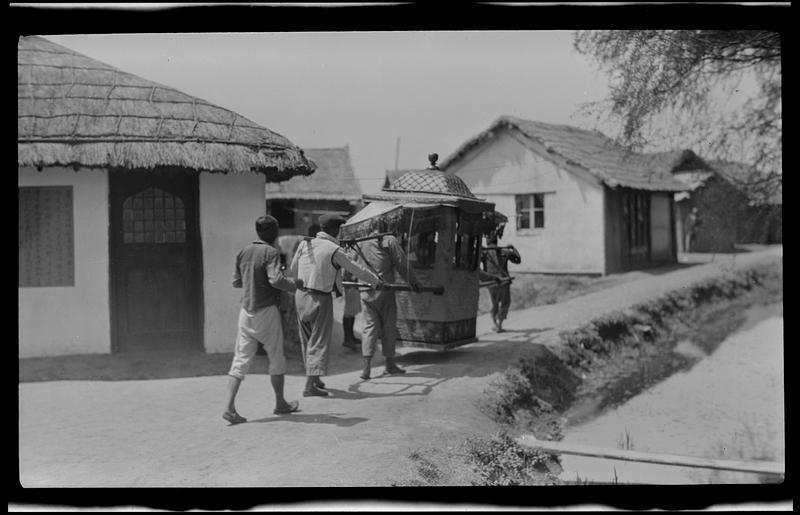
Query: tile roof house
[(133, 200), (577, 202), (734, 203), (332, 188), (393, 175)]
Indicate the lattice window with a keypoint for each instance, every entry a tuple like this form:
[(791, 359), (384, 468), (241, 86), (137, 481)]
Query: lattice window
[(46, 236), (420, 245), (153, 216)]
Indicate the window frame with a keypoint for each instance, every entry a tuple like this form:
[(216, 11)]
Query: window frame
[(533, 212)]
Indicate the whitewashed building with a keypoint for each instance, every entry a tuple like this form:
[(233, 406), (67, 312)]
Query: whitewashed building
[(133, 201), (576, 202)]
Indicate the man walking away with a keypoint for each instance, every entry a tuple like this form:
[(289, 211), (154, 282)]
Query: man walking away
[(386, 257), (495, 262), (258, 272), (319, 262), (693, 221)]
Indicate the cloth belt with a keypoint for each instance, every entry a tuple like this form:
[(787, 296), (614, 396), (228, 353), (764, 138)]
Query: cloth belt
[(319, 292)]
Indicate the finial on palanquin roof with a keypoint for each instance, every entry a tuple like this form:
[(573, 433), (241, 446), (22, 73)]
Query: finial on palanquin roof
[(433, 158)]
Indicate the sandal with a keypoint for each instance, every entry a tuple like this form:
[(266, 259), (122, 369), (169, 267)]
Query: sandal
[(290, 408), (315, 392), (233, 417)]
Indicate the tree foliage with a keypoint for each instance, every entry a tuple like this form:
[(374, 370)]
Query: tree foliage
[(717, 91)]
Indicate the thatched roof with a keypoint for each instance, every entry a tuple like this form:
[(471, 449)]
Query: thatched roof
[(675, 161), (74, 110), (684, 165), (760, 188), (590, 150), (334, 178)]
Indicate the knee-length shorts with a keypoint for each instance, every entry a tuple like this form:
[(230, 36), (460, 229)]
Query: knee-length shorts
[(263, 326)]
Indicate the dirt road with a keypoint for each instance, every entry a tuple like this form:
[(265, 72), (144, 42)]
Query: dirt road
[(168, 432)]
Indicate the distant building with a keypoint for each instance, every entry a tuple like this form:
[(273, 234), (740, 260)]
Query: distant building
[(332, 188), (718, 201), (761, 220), (133, 201), (393, 175), (576, 202), (730, 209)]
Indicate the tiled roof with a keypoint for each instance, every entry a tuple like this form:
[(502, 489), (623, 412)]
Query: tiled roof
[(334, 178), (590, 150)]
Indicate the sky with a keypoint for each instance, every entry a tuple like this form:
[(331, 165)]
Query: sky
[(432, 90)]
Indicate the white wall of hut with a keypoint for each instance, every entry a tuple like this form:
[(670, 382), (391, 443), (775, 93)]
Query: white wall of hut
[(71, 319), (229, 206), (571, 240)]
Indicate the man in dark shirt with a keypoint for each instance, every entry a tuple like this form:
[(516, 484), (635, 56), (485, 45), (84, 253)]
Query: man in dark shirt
[(495, 262), (258, 272)]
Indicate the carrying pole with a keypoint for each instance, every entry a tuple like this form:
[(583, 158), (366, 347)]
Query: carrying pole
[(436, 290), (365, 238), (755, 467)]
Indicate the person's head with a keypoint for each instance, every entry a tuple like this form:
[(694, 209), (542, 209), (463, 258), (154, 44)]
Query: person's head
[(267, 228), (491, 238), (330, 223), (313, 229)]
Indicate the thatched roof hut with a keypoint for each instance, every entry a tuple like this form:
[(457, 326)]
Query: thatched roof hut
[(333, 179), (76, 111), (590, 150)]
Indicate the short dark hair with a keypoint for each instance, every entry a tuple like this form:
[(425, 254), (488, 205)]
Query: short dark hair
[(314, 229), (265, 224)]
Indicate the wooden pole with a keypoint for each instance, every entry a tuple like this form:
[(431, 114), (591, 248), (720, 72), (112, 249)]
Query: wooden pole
[(755, 467), (397, 155)]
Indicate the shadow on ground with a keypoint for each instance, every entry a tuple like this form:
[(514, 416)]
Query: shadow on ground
[(477, 360), (302, 418)]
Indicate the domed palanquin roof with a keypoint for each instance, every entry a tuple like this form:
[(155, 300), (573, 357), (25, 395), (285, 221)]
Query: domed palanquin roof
[(431, 181), (431, 186)]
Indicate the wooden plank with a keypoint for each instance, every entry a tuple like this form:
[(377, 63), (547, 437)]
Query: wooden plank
[(756, 467)]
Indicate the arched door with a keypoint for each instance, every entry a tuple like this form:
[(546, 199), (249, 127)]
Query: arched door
[(155, 263)]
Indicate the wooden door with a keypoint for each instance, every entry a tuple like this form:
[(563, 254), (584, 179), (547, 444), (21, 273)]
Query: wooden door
[(636, 233), (155, 260)]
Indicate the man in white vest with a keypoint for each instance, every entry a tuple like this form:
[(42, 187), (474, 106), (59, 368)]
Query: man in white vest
[(318, 262)]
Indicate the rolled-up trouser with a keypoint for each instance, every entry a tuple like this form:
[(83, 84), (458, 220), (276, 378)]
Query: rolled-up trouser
[(262, 326), (315, 324), (352, 302), (380, 322), (501, 299)]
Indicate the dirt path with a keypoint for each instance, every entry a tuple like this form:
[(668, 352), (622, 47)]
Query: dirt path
[(168, 432)]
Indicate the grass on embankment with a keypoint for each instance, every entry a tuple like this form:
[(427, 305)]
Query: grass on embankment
[(535, 393)]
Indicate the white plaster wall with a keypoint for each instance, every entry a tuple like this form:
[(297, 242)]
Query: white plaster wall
[(572, 239), (229, 206), (72, 319)]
